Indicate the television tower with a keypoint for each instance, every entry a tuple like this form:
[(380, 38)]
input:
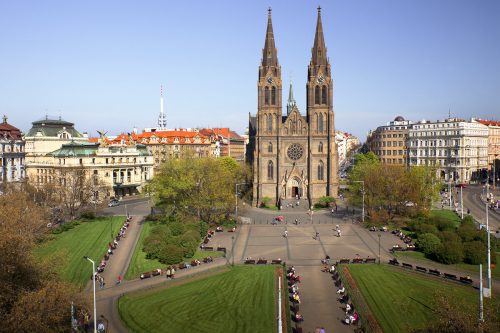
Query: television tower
[(162, 118)]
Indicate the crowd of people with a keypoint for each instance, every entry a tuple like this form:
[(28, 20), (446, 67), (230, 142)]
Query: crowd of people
[(351, 315), (293, 288)]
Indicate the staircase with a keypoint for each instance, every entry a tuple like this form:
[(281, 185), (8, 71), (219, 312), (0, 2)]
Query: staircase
[(290, 205)]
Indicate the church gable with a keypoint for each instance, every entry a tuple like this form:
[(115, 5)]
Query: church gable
[(295, 123)]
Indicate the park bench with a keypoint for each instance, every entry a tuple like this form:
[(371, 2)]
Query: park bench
[(357, 261), (276, 261), (370, 260), (231, 230), (250, 261), (156, 272), (182, 265), (394, 262), (206, 240), (145, 275), (207, 260), (221, 249), (219, 229), (344, 261), (194, 263), (421, 269), (294, 307), (465, 280), (106, 256), (434, 272), (298, 329), (207, 248), (450, 276), (261, 261), (405, 265)]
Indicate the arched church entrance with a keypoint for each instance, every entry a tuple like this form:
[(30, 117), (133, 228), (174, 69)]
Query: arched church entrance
[(296, 187)]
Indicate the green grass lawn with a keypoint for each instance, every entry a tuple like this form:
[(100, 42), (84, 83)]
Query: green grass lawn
[(402, 301), (446, 214), (140, 264), (241, 299), (419, 256), (89, 238)]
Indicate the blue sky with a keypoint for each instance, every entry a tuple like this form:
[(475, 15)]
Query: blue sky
[(100, 63)]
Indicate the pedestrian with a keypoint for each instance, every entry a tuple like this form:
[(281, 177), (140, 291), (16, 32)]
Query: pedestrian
[(468, 211), (317, 235), (172, 272), (168, 273), (101, 282), (296, 221), (100, 327), (119, 280), (338, 233), (286, 234)]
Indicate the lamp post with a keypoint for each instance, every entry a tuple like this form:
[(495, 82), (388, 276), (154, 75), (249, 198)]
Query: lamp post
[(232, 251), (93, 282), (379, 235), (363, 192), (236, 197), (488, 244)]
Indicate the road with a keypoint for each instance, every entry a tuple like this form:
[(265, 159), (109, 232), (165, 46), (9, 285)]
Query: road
[(472, 200), (135, 206)]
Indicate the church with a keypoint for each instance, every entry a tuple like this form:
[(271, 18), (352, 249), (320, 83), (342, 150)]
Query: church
[(292, 155)]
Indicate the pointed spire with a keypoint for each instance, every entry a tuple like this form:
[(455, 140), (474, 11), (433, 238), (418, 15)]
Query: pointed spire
[(291, 101), (319, 48), (269, 53)]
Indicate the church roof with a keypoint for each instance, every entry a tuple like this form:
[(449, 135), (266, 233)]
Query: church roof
[(269, 53), (52, 127), (319, 48), (9, 131)]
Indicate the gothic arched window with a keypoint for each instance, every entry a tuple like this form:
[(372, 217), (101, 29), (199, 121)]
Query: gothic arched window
[(320, 147), (316, 95), (270, 170), (323, 95), (270, 122), (273, 96), (320, 123), (320, 170), (266, 96), (270, 147)]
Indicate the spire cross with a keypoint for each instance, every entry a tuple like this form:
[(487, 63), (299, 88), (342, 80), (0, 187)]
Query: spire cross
[(269, 10), (319, 9)]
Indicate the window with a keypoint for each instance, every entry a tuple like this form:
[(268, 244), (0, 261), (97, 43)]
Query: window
[(270, 170), (316, 95), (321, 168), (266, 96), (323, 95), (273, 96), (320, 147), (270, 122), (270, 147), (320, 123)]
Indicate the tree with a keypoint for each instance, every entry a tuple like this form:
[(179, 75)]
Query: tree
[(475, 252), (428, 243), (450, 252), (27, 285), (203, 187)]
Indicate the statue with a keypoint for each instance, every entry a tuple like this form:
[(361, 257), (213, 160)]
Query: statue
[(102, 138)]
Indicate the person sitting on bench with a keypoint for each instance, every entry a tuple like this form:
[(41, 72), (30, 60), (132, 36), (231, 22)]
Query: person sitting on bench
[(332, 269), (298, 317), (348, 308), (341, 290)]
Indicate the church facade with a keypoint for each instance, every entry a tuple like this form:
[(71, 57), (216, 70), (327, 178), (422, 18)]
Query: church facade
[(293, 155)]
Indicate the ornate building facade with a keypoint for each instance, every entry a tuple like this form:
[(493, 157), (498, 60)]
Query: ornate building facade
[(12, 155), (293, 155)]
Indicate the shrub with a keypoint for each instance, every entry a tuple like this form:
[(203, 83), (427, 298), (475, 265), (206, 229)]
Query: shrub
[(176, 228), (88, 215), (170, 254), (265, 202), (475, 252), (450, 252), (427, 229), (203, 229), (467, 232), (324, 202), (443, 224), (428, 243), (468, 220)]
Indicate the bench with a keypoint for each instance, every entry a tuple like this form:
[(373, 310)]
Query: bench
[(465, 280), (370, 260), (261, 262), (156, 272), (194, 263), (344, 261), (405, 265), (182, 265), (450, 276), (394, 262), (222, 249), (434, 272), (207, 248), (297, 329), (206, 240), (250, 261), (276, 261), (219, 230), (357, 261), (421, 269), (145, 275)]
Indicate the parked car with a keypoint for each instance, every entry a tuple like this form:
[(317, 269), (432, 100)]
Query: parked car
[(113, 203)]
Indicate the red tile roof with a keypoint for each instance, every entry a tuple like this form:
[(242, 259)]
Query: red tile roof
[(488, 122)]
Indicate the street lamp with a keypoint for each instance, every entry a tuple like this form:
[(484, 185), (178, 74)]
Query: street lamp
[(93, 282), (488, 245), (362, 191), (232, 251), (379, 235), (236, 197)]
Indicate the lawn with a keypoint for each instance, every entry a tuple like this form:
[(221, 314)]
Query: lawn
[(419, 256), (140, 264), (89, 238), (241, 299), (402, 301), (445, 214)]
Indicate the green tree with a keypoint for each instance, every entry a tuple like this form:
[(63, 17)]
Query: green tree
[(475, 252), (428, 243), (450, 252)]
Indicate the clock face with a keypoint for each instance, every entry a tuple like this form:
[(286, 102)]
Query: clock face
[(295, 151), (269, 80), (321, 79)]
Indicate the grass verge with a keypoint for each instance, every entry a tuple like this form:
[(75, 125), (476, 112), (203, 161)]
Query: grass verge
[(241, 299), (86, 238), (403, 301)]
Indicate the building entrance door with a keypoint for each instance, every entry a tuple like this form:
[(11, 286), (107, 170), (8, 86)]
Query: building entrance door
[(295, 191)]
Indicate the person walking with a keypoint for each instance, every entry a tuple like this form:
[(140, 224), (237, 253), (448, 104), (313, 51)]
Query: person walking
[(168, 274), (317, 236), (172, 272), (119, 280), (286, 234)]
